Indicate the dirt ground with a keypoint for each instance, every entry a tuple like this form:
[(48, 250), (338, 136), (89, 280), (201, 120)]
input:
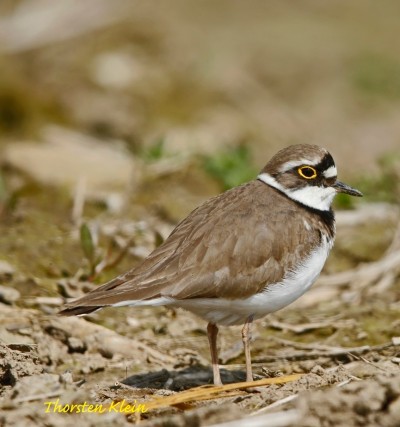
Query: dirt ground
[(116, 120), (69, 361), (347, 352), (342, 337)]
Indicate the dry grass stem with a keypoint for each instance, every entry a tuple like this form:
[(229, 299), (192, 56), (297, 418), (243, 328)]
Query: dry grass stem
[(214, 392)]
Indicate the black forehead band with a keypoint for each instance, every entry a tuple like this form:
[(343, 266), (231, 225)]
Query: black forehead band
[(325, 163)]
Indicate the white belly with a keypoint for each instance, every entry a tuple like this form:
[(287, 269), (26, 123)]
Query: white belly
[(274, 297)]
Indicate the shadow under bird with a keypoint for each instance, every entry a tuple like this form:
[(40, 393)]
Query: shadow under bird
[(240, 255)]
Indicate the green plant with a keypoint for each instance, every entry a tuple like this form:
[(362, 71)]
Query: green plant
[(231, 167), (384, 185), (343, 201), (155, 151), (88, 246), (99, 259), (8, 199)]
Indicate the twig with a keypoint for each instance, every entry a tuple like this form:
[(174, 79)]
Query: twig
[(345, 382), (54, 301), (277, 403), (307, 346), (108, 263), (369, 362), (364, 274), (334, 352), (305, 327), (79, 201), (213, 392)]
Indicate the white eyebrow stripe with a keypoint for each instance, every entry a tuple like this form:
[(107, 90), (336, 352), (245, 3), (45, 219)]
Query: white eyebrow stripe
[(330, 172), (292, 164)]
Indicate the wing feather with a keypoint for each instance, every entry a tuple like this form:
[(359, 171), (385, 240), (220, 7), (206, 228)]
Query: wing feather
[(225, 248)]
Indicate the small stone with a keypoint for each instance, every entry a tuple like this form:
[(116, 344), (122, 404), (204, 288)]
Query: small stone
[(133, 322), (362, 335), (8, 295), (95, 364), (306, 366), (6, 270), (394, 407), (106, 352), (370, 399), (116, 70), (35, 384), (102, 171), (396, 340), (75, 345), (318, 370)]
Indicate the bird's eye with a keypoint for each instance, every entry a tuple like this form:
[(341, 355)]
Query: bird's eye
[(307, 172)]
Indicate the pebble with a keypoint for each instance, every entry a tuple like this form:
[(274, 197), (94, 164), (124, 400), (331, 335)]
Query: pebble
[(318, 370), (8, 295), (75, 345), (75, 161), (6, 269), (396, 340)]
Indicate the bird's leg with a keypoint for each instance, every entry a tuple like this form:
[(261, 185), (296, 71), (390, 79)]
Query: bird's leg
[(246, 338), (212, 332)]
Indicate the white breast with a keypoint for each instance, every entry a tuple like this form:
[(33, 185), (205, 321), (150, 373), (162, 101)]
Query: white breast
[(274, 297)]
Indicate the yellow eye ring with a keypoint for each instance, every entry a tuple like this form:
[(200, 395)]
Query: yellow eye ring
[(307, 172)]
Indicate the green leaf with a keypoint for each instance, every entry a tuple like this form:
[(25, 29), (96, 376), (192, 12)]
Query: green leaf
[(87, 243), (3, 189), (155, 152)]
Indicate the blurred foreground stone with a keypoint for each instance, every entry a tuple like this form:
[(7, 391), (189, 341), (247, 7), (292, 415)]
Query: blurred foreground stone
[(8, 295), (70, 159)]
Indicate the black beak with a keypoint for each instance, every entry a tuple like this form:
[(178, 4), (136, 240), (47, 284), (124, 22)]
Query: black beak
[(341, 187)]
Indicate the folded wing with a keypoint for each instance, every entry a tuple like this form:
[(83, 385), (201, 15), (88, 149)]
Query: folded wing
[(218, 251)]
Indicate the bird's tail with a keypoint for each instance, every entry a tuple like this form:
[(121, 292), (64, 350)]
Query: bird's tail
[(78, 310)]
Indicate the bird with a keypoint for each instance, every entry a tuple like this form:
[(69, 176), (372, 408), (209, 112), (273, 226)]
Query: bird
[(242, 254)]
